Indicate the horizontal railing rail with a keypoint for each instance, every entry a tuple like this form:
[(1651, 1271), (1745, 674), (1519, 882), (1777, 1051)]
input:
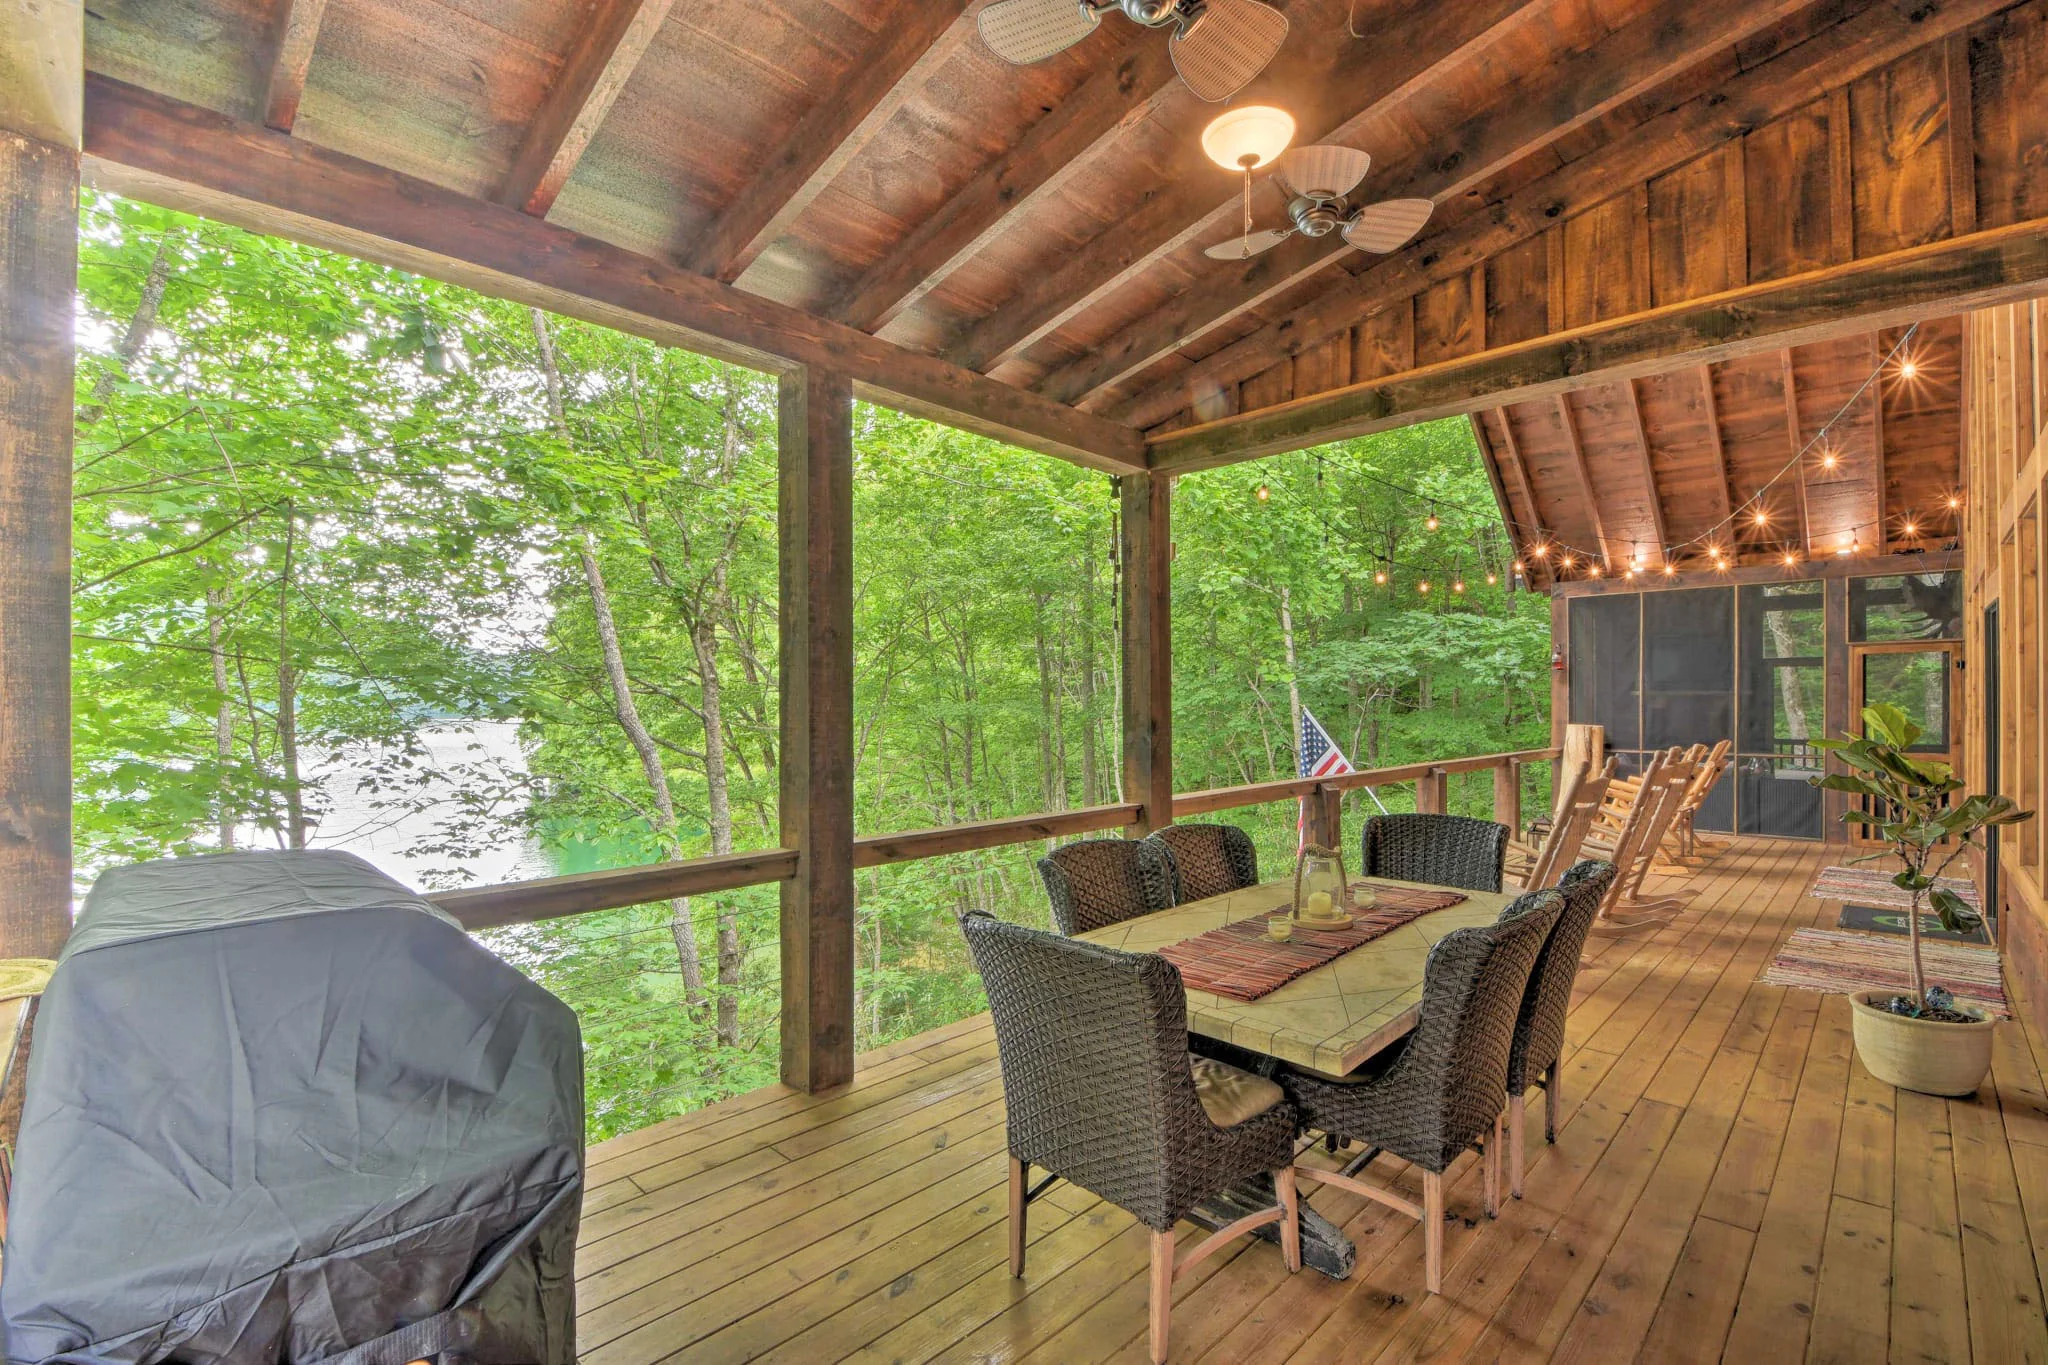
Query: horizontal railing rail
[(492, 907)]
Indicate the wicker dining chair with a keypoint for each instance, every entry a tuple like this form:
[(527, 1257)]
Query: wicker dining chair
[(1538, 1048), (1438, 1092), (1208, 860), (1099, 1090), (1443, 850), (1093, 883)]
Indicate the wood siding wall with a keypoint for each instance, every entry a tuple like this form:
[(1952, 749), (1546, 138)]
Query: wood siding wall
[(1936, 144), (2005, 377)]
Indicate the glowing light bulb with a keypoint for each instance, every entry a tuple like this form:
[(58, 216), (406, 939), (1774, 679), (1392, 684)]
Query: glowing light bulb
[(1432, 523), (1565, 563), (1629, 572), (1380, 577), (1954, 501), (1790, 559), (1910, 529), (1828, 458), (1262, 493), (1592, 569), (1669, 568), (1543, 551), (1762, 516), (1458, 585), (1491, 578), (1908, 368), (1423, 586), (1520, 567)]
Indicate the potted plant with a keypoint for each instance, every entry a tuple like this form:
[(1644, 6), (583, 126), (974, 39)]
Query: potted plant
[(1925, 1041)]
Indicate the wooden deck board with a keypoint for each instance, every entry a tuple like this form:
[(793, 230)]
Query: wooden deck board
[(1727, 1184)]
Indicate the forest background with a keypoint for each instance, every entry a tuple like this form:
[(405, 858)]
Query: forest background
[(363, 560)]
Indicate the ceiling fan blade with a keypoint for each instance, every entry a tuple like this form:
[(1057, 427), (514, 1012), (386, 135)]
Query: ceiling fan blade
[(1243, 248), (1228, 44), (1025, 31), (1387, 225), (1323, 170)]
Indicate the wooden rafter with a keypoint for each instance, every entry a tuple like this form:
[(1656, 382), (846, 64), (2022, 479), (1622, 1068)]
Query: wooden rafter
[(288, 56), (1581, 473), (1504, 471), (1863, 43), (613, 42), (1649, 469), (1794, 431), (185, 157), (1544, 106), (1724, 480), (1317, 86), (1047, 156), (1995, 266), (919, 38), (1881, 538)]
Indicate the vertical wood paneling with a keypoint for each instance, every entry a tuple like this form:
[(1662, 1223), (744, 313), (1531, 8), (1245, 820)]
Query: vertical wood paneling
[(1605, 275), (1788, 194), (1450, 320), (1384, 343), (2008, 60), (1899, 154), (1691, 219), (1518, 293)]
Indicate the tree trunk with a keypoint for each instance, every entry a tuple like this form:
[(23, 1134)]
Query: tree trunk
[(1050, 785), (288, 700), (704, 639), (1293, 683), (224, 714), (139, 327), (624, 709), (1788, 679)]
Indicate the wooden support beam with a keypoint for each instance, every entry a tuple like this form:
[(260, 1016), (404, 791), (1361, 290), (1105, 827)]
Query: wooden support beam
[(1648, 467), (288, 56), (1881, 538), (1995, 266), (184, 157), (1147, 638), (1583, 475), (1868, 40), (1049, 155), (614, 40), (918, 38), (1544, 105), (1794, 434), (814, 518), (1962, 134), (1507, 794), (41, 48), (1433, 792), (1318, 83), (1724, 483)]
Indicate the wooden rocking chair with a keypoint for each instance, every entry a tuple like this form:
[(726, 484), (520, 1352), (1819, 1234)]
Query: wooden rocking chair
[(1537, 867), (1682, 847), (1660, 793)]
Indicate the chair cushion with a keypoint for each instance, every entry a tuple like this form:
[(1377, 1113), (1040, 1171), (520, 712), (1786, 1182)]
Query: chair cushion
[(1230, 1096)]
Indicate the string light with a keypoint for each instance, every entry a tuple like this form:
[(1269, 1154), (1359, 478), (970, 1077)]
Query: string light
[(1380, 577), (1592, 569), (1908, 368), (1458, 585), (1669, 568), (1262, 493), (1955, 501), (1491, 578), (1542, 551), (1762, 516), (1828, 458), (1423, 587), (1520, 567), (1790, 559), (1565, 563), (1910, 529), (1432, 523)]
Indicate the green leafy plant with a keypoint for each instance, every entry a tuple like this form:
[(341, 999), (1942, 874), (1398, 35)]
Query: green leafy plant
[(1914, 805)]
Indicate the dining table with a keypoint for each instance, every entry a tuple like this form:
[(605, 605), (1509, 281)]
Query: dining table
[(1332, 1019)]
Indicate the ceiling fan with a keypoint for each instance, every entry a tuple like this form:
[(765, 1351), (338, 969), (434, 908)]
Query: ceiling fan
[(1217, 46), (1318, 182)]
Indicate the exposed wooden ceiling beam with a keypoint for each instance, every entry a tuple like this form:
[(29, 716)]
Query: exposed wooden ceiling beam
[(1648, 468), (1794, 433), (1047, 156), (185, 157), (1544, 105), (1504, 469), (1724, 483), (1317, 82), (1871, 38), (1882, 537), (288, 55), (591, 78), (917, 40), (2001, 265), (1582, 474)]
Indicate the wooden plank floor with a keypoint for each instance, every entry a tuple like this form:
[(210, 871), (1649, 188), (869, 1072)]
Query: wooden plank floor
[(1728, 1183)]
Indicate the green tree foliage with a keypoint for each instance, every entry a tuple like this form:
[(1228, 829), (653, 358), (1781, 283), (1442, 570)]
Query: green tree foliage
[(324, 507)]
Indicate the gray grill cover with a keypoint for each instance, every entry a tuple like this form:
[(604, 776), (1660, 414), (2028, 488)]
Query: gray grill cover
[(280, 1108)]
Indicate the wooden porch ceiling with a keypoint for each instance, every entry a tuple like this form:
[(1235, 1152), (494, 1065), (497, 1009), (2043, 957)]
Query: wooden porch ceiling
[(861, 181), (1667, 465)]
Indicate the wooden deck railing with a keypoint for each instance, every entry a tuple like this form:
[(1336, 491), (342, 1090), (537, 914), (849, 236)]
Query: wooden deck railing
[(490, 907)]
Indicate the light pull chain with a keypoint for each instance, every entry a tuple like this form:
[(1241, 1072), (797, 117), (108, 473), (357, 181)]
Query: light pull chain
[(1247, 213)]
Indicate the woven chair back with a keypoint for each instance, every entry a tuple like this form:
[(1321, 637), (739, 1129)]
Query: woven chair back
[(1093, 883), (1539, 1030), (1442, 850), (1208, 860), (1093, 1046)]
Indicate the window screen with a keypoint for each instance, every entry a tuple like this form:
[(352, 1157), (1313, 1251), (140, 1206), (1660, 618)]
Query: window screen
[(1913, 606), (1784, 677), (1606, 636), (1688, 667)]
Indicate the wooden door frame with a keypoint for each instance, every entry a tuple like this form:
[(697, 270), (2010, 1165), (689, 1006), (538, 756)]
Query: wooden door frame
[(1957, 703)]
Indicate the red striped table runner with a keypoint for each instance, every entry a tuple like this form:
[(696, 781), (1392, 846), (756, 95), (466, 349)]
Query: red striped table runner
[(1239, 962)]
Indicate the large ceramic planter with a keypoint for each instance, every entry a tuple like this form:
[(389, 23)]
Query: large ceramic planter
[(1921, 1054)]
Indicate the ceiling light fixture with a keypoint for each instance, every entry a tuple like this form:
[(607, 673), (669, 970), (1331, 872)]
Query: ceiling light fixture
[(1245, 139)]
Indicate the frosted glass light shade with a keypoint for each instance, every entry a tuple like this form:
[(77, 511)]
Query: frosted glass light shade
[(1249, 137)]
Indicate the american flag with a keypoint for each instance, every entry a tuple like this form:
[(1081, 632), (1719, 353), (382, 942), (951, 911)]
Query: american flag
[(1319, 757)]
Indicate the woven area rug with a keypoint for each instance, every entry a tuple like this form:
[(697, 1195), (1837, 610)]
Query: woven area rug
[(1872, 885), (1839, 961), (1239, 962)]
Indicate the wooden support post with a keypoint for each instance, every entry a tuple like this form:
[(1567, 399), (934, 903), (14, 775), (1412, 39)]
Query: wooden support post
[(1326, 816), (1433, 792), (1147, 550), (815, 515), (1507, 793), (42, 59)]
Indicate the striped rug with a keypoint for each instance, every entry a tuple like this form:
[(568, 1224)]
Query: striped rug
[(1840, 961), (1872, 885), (1239, 962)]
